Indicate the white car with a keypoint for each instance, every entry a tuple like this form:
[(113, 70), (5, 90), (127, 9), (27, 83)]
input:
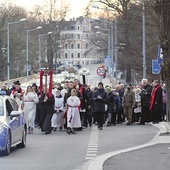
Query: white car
[(65, 73), (13, 127), (72, 75), (84, 71), (59, 78)]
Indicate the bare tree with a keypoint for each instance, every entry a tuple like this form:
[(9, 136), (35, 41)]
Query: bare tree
[(162, 10), (11, 13), (53, 14)]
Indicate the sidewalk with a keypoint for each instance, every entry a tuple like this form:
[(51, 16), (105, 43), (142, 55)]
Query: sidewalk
[(154, 155)]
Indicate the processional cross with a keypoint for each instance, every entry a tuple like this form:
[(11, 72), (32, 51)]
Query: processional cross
[(47, 72)]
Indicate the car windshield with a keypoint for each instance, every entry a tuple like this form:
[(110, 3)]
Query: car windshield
[(1, 108)]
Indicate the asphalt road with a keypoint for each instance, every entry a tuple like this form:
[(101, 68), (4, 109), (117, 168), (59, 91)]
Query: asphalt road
[(60, 151)]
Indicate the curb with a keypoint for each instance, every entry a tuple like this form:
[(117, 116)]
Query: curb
[(98, 162)]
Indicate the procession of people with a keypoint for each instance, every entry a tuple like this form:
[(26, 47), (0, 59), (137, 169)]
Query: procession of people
[(74, 106)]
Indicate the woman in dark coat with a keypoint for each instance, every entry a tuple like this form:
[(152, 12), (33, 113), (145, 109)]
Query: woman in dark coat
[(100, 99), (46, 110)]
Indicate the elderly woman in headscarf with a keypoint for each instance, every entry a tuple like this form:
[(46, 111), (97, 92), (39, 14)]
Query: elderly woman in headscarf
[(137, 108)]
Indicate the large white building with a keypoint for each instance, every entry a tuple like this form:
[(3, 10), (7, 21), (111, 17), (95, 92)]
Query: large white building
[(76, 44)]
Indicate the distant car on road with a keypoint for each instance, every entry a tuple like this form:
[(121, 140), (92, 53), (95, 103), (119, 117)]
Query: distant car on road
[(84, 71), (71, 75), (65, 73), (59, 78), (13, 127)]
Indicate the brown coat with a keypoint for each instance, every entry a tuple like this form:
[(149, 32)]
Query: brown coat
[(128, 98)]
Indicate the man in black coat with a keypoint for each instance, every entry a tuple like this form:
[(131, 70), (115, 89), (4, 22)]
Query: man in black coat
[(100, 99), (88, 114), (145, 102)]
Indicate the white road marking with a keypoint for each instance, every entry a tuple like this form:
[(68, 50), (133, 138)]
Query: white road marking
[(93, 144)]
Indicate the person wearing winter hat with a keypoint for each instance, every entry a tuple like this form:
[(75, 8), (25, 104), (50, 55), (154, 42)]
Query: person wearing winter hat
[(113, 105), (108, 89), (100, 98), (17, 93)]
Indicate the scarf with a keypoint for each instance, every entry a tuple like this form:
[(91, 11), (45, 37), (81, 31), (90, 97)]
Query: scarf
[(153, 96)]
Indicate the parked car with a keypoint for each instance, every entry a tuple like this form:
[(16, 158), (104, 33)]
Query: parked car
[(13, 127), (84, 71), (71, 75), (65, 73), (76, 68)]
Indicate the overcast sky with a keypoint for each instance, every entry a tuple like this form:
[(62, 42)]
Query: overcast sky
[(75, 5)]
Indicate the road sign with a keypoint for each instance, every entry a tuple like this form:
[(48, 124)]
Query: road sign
[(29, 67), (108, 62), (156, 68), (160, 55), (101, 71)]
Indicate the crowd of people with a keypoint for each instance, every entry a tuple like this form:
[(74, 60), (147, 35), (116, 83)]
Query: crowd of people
[(75, 106)]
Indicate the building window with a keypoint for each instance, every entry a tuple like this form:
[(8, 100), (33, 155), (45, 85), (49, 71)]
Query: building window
[(87, 45), (78, 46), (66, 55), (87, 36), (78, 27), (65, 35), (72, 46), (66, 46), (72, 36), (78, 55), (78, 36), (72, 55)]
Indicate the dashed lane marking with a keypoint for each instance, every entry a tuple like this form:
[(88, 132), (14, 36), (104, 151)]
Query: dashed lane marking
[(93, 144)]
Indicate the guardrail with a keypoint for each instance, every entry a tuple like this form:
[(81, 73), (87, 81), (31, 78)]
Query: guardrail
[(20, 79)]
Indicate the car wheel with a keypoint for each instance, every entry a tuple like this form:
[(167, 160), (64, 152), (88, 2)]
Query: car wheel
[(8, 146), (23, 142)]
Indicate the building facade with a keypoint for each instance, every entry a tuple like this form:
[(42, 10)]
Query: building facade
[(76, 46)]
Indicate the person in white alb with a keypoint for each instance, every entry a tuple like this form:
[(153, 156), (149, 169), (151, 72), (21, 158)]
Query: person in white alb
[(73, 115), (57, 120), (30, 99)]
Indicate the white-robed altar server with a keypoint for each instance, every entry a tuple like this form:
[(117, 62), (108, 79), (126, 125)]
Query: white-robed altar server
[(57, 120), (30, 99), (73, 115)]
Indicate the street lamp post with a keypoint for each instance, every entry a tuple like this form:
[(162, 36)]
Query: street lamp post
[(40, 58), (27, 57), (116, 62), (8, 51), (109, 43), (144, 40)]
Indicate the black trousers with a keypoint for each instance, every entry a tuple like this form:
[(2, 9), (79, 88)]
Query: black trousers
[(88, 117), (100, 118)]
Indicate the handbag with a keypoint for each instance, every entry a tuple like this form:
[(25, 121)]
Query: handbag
[(106, 107)]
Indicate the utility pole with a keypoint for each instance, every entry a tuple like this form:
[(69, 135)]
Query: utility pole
[(144, 40)]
